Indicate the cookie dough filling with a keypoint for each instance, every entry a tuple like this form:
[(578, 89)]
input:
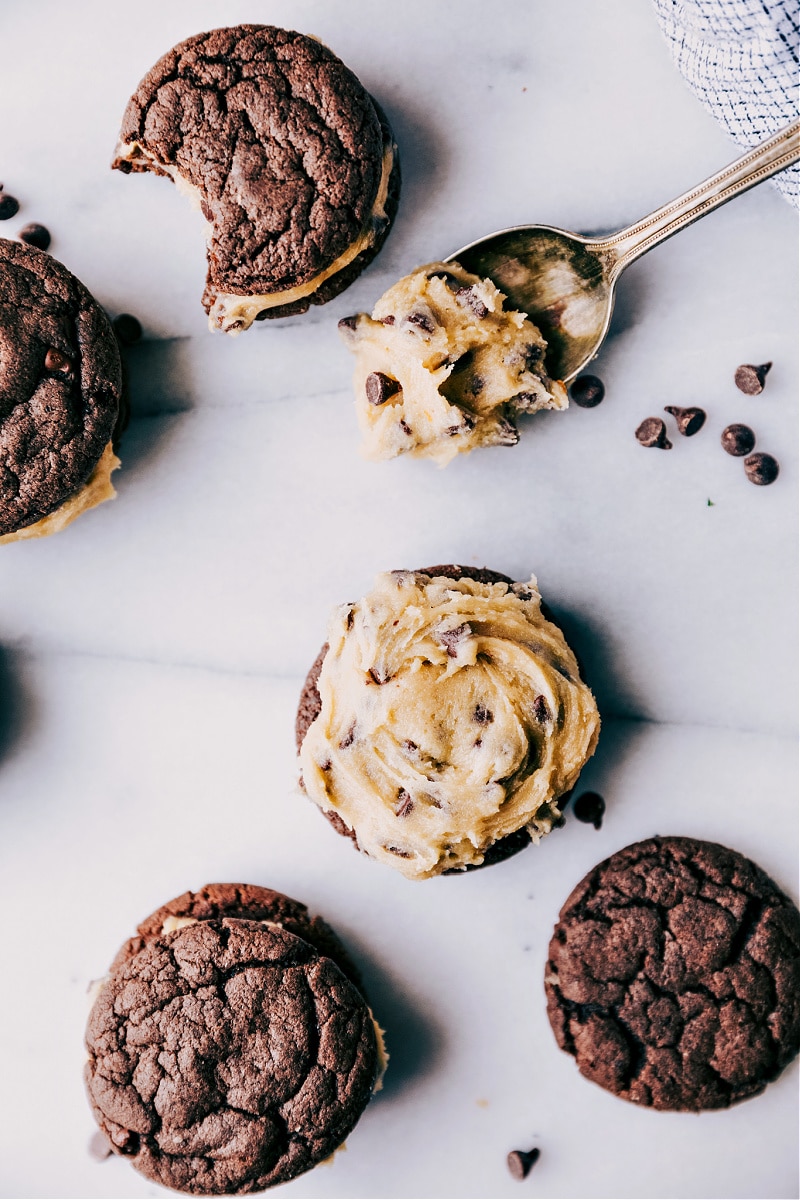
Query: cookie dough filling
[(442, 367), (453, 715), (96, 490)]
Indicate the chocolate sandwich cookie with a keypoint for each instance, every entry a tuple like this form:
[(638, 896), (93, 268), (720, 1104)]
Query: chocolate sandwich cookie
[(674, 976), (228, 1055), (290, 160), (60, 391), (450, 748), (242, 902)]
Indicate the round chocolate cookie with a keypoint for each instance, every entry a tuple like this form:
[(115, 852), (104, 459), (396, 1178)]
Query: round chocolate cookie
[(291, 161), (228, 1056), (243, 902), (674, 976), (310, 706), (60, 385)]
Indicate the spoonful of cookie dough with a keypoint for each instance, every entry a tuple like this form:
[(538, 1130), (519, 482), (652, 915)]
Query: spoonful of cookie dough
[(455, 351)]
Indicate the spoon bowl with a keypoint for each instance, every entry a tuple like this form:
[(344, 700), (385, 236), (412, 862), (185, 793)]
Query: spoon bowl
[(565, 282)]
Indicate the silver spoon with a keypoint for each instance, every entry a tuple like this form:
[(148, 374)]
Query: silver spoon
[(565, 282)]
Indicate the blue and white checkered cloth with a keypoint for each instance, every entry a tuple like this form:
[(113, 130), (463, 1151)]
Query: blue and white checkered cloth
[(741, 59)]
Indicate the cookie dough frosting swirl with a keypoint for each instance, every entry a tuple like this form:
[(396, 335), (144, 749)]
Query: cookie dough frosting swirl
[(453, 714)]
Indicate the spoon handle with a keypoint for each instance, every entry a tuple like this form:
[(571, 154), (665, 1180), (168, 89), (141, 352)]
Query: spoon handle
[(771, 156)]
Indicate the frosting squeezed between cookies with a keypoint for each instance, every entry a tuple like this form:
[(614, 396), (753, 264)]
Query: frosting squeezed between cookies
[(97, 489), (453, 714)]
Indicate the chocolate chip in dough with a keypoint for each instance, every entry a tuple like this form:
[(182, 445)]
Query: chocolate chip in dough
[(589, 808), (761, 469), (9, 207), (689, 420), (405, 805), (587, 391), (422, 320), (380, 387), (653, 432), (541, 710), (347, 325), (35, 235), (750, 379), (451, 639), (57, 362), (468, 297), (520, 1162), (738, 440)]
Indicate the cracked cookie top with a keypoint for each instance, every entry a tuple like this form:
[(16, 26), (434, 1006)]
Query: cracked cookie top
[(60, 385), (228, 1056), (674, 976), (280, 145)]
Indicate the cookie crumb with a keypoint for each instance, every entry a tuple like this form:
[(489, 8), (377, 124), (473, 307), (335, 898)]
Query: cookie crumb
[(521, 1162)]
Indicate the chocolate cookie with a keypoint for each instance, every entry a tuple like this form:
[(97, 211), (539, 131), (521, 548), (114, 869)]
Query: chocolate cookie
[(228, 1056), (244, 902), (310, 706), (60, 387), (674, 976), (290, 160)]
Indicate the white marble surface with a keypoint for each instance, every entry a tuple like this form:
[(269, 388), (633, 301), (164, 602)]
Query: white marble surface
[(152, 654)]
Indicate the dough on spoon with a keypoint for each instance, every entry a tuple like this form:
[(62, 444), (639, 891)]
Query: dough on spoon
[(442, 367)]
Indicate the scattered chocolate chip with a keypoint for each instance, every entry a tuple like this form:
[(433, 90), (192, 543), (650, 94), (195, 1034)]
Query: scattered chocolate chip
[(35, 235), (587, 391), (57, 362), (127, 329), (406, 428), (451, 639), (738, 440), (653, 432), (348, 738), (422, 321), (380, 387), (469, 298), (98, 1147), (541, 710), (688, 420), (347, 324), (750, 379), (9, 207), (387, 320), (589, 808), (405, 805), (520, 1162), (482, 715), (761, 469)]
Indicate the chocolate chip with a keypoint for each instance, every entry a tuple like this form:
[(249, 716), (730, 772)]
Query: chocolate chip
[(482, 715), (380, 387), (422, 321), (347, 325), (476, 386), (587, 391), (653, 432), (520, 1162), (127, 329), (57, 362), (688, 420), (451, 639), (406, 428), (35, 235), (405, 805), (396, 850), (524, 401), (376, 676), (407, 744), (533, 355), (261, 316), (387, 320), (589, 808), (750, 379), (348, 738), (469, 298), (506, 433), (541, 710), (761, 469), (9, 207), (738, 440), (463, 362)]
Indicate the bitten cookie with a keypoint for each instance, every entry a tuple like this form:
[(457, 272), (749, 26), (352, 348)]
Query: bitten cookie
[(674, 976), (60, 393), (290, 160), (443, 720), (228, 1055)]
